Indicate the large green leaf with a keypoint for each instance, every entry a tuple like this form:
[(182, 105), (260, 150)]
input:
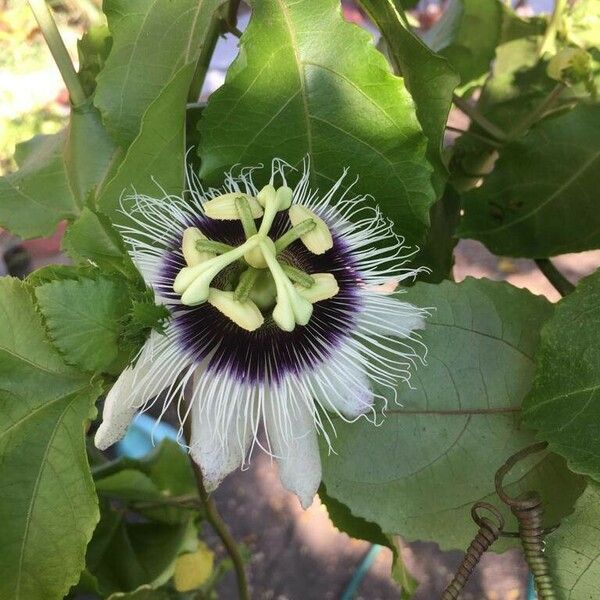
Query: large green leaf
[(469, 31), (540, 200), (125, 555), (574, 549), (564, 403), (152, 41), (91, 237), (37, 197), (419, 472), (157, 154), (84, 318), (48, 508), (428, 77), (308, 83)]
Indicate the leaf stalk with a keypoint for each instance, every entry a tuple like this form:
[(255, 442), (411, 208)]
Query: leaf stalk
[(59, 52)]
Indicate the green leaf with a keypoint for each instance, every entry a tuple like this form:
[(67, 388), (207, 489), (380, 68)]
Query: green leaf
[(152, 41), (84, 319), (37, 197), (162, 475), (48, 508), (157, 152), (469, 31), (428, 77), (563, 403), (540, 200), (573, 550), (91, 237), (308, 83), (49, 273), (126, 555), (357, 527), (437, 454)]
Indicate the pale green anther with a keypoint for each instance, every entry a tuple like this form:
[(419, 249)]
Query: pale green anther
[(245, 214), (224, 207), (325, 286), (318, 240), (246, 283), (298, 276), (212, 247), (193, 283), (294, 234)]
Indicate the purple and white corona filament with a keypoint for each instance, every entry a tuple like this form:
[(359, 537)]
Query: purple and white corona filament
[(283, 312)]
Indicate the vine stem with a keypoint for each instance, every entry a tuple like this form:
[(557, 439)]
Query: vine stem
[(538, 112), (59, 52), (478, 118), (550, 33), (217, 523), (560, 283)]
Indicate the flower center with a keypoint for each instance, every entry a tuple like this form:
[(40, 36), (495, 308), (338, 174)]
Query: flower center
[(262, 283)]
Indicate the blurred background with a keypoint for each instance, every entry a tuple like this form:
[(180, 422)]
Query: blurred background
[(295, 554)]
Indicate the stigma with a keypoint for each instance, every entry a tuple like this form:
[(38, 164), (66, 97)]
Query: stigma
[(264, 283)]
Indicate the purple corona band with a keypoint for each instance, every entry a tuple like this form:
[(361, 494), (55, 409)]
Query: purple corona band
[(267, 354)]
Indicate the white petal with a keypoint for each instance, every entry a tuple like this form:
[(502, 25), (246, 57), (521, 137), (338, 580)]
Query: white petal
[(155, 369), (386, 315), (341, 383), (220, 438), (293, 439)]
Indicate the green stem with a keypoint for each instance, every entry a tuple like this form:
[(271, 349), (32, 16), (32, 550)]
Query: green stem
[(474, 135), (61, 57), (208, 48), (217, 523), (538, 112), (562, 285), (478, 118), (550, 34)]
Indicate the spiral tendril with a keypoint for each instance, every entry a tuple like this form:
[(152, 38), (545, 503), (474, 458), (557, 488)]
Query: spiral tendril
[(528, 510), (488, 533)]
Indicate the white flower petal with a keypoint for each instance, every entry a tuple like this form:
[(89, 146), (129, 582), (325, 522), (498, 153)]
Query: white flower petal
[(341, 384), (293, 440), (154, 371), (220, 439)]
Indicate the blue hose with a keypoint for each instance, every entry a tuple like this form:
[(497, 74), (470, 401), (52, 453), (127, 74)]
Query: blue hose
[(361, 571)]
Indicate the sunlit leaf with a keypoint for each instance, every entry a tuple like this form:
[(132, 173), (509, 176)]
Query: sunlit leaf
[(308, 83)]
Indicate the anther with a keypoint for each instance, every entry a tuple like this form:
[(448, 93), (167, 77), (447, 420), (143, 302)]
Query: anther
[(295, 233), (191, 253), (244, 314), (224, 207), (318, 240)]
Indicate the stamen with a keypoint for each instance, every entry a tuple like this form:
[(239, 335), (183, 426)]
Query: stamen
[(192, 283), (244, 314), (294, 234), (246, 283), (192, 255), (319, 239), (224, 207), (298, 276), (325, 286), (290, 308), (273, 201), (245, 214)]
